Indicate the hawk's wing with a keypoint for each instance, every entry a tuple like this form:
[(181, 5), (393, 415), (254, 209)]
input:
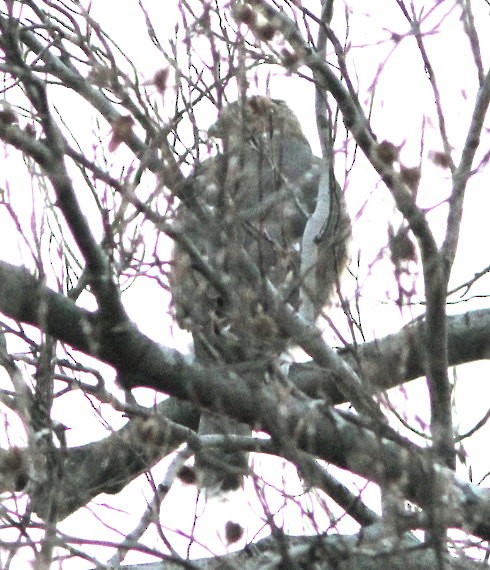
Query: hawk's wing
[(256, 200)]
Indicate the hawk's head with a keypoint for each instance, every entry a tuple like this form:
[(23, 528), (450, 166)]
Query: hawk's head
[(255, 116)]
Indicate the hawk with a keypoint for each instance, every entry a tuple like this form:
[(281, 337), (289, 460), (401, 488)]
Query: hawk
[(250, 202)]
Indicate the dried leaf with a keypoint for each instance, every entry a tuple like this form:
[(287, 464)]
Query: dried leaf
[(387, 152), (122, 128), (233, 532)]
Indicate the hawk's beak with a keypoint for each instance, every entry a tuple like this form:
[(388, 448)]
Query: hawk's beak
[(215, 131)]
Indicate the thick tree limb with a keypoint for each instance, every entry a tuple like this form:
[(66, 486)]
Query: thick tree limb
[(313, 426), (369, 550)]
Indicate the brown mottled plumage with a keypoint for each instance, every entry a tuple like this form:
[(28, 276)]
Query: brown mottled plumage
[(254, 196)]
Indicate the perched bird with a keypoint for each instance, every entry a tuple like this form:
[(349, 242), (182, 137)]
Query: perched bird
[(253, 198)]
